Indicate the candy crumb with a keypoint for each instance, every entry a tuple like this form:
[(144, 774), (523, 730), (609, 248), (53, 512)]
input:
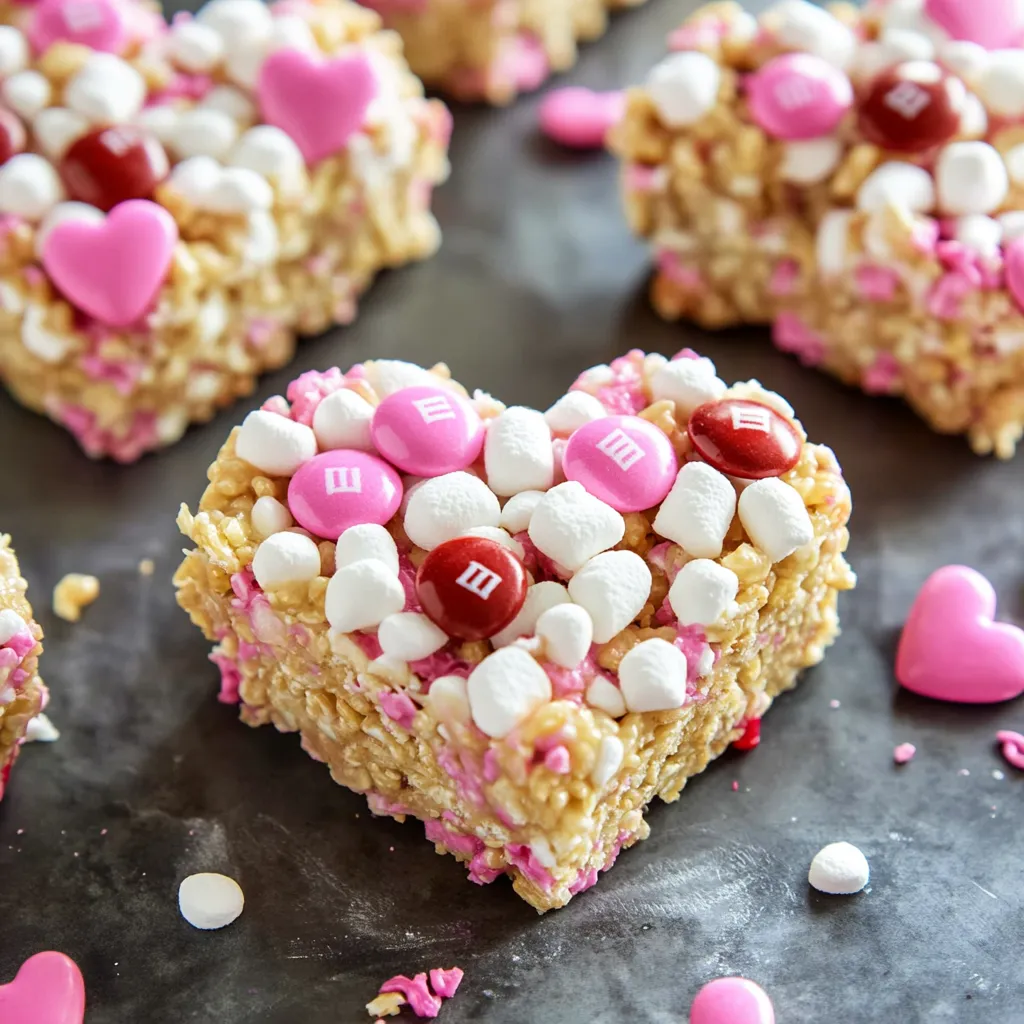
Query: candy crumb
[(834, 704), (73, 593), (400, 990), (146, 567), (839, 869), (1012, 746), (904, 752), (735, 786), (387, 1004)]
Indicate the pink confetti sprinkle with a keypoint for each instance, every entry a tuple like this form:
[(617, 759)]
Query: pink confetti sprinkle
[(735, 786), (1012, 744), (422, 1001), (446, 982), (904, 752), (833, 704)]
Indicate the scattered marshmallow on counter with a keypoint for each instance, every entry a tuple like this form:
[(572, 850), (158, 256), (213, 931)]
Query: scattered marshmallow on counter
[(684, 87), (445, 507), (342, 420), (698, 511), (703, 592), (571, 526), (839, 869), (775, 518), (567, 632), (270, 516), (572, 411), (971, 178), (613, 587), (604, 695), (687, 382), (504, 689), (274, 444), (361, 595), (285, 558), (652, 676), (209, 901), (540, 598), (517, 453), (409, 636)]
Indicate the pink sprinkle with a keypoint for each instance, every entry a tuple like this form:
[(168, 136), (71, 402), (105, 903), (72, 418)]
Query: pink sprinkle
[(398, 707), (446, 982), (948, 293), (791, 334), (876, 284), (672, 266), (103, 831), (643, 178), (735, 786), (557, 760), (833, 704), (423, 1002), (883, 376), (230, 677), (904, 752), (491, 767), (1012, 747), (784, 278)]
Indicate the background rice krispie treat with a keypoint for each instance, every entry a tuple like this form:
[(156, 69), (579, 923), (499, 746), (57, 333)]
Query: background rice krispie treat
[(22, 693), (856, 178), (493, 49), (518, 627), (178, 202)]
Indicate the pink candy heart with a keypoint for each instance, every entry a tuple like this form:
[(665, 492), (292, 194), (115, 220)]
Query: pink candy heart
[(732, 1001), (114, 269), (994, 24), (952, 650), (48, 989), (97, 24), (320, 104), (580, 118)]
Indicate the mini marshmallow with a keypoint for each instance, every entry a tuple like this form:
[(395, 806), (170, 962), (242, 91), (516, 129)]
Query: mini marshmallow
[(567, 632), (273, 443), (160, 122), (804, 27), (445, 507), (703, 592), (262, 244), (194, 46), (270, 516), (613, 587), (107, 90), (366, 540), (271, 153), (904, 186), (361, 595), (285, 558), (982, 234), (210, 901), (684, 87), (965, 59), (204, 132), (448, 699), (688, 383), (570, 526), (604, 695), (26, 93), (1001, 83), (517, 452), (652, 676), (342, 420), (243, 63), (809, 161), (237, 22), (518, 510), (11, 624), (38, 339), (902, 45), (29, 187), (833, 242), (1012, 225), (973, 118), (757, 392), (231, 101), (573, 411), (41, 730), (1014, 159), (971, 178), (62, 212), (409, 636), (609, 760), (290, 31), (698, 511), (386, 376), (504, 689), (540, 598), (55, 128), (839, 869), (775, 518), (499, 536), (13, 51)]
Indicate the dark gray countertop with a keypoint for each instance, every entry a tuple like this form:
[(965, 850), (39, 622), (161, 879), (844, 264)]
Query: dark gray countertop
[(537, 279)]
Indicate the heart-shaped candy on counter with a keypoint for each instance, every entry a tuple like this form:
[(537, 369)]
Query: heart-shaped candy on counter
[(732, 1001), (48, 989), (951, 649), (994, 24)]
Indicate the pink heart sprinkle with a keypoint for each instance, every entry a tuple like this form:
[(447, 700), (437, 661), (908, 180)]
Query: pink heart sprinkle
[(320, 104), (580, 118), (732, 1001), (48, 989), (994, 24), (952, 650), (1013, 259), (1012, 746), (97, 24)]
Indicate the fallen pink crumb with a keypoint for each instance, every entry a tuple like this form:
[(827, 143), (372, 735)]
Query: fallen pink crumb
[(446, 982), (834, 704), (904, 752), (1012, 746), (735, 786), (417, 994)]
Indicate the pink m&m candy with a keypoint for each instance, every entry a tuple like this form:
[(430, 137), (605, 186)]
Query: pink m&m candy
[(343, 488), (732, 1001), (97, 24), (799, 96), (427, 431), (625, 461)]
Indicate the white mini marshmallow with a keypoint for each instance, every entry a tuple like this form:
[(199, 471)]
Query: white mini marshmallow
[(262, 244), (160, 122), (195, 47), (237, 22), (518, 510), (572, 411), (26, 93), (445, 507), (1014, 159), (107, 90), (1001, 84), (55, 128), (210, 901), (366, 540), (905, 186), (362, 595), (688, 383), (517, 452), (506, 688), (540, 597), (231, 101), (971, 178), (38, 339), (243, 63), (268, 151), (982, 234), (609, 760), (342, 420), (652, 676), (13, 51), (29, 187), (973, 118), (965, 59), (386, 376), (11, 624), (839, 869), (41, 730), (285, 558), (775, 517), (613, 587), (702, 592), (1012, 225), (62, 212), (567, 632), (239, 190), (204, 132), (409, 636), (570, 526), (757, 392), (270, 516), (448, 699), (274, 444), (698, 511), (810, 161), (604, 695), (833, 242), (499, 536), (684, 87), (807, 28)]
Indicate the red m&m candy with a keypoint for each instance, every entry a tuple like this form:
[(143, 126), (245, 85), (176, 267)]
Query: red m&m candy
[(471, 587), (110, 165), (744, 439)]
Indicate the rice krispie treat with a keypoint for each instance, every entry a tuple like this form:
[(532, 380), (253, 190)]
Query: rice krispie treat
[(22, 693), (856, 178), (493, 49), (178, 202), (518, 627)]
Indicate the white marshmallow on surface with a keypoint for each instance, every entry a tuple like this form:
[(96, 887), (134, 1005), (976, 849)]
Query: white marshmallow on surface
[(572, 411), (684, 87), (652, 676), (703, 592), (567, 632), (273, 443), (202, 131), (905, 186), (210, 901), (517, 452), (270, 516), (613, 587), (409, 636), (386, 376), (342, 420), (445, 507), (195, 47), (517, 512), (26, 93), (29, 187), (13, 51), (499, 536), (271, 153), (698, 511), (448, 699), (362, 595), (971, 178), (604, 695), (366, 540), (38, 339), (982, 234), (55, 128), (285, 558), (505, 689), (833, 242), (775, 518), (839, 869), (809, 161), (570, 526), (11, 624), (107, 90), (237, 22), (609, 760), (687, 382), (807, 28), (160, 122), (540, 597), (231, 101), (62, 212), (1001, 83)]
